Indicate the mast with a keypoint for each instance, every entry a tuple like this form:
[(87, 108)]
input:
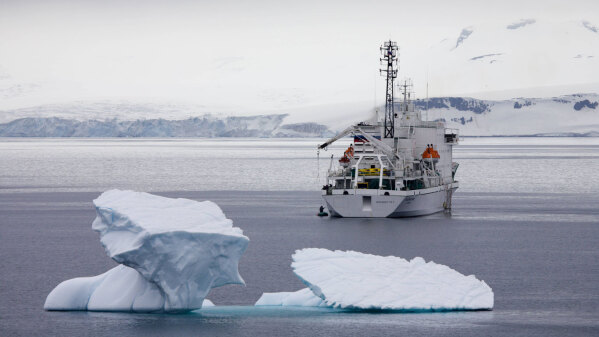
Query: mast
[(389, 53)]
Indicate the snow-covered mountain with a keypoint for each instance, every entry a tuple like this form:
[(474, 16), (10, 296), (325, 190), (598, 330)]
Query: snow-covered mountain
[(205, 126), (107, 118), (524, 58), (107, 109), (526, 53), (570, 115)]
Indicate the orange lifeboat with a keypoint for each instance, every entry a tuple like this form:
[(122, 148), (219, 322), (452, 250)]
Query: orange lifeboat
[(430, 154), (347, 155)]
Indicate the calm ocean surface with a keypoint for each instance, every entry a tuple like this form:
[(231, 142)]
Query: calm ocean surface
[(525, 220), (537, 165)]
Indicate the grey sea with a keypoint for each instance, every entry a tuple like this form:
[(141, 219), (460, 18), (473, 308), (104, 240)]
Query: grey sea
[(525, 219)]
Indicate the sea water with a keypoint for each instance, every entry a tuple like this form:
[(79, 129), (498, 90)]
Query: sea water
[(525, 220), (566, 165)]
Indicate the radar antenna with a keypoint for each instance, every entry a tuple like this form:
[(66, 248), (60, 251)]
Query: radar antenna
[(389, 53)]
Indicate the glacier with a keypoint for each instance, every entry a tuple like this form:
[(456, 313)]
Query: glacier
[(263, 126), (354, 280), (171, 253), (566, 115), (135, 119)]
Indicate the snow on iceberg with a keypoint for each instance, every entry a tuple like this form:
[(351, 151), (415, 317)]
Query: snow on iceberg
[(172, 251), (363, 281)]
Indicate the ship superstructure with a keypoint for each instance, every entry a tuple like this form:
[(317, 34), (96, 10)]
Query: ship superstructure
[(397, 166)]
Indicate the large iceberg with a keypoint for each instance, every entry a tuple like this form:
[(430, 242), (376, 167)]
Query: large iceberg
[(171, 251), (363, 281)]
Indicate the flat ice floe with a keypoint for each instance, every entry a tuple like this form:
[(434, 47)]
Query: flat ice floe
[(363, 281), (171, 251)]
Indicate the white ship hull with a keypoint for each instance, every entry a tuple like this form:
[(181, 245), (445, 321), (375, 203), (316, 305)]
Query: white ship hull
[(368, 203)]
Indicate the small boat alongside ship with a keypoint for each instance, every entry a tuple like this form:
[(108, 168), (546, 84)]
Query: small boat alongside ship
[(398, 166)]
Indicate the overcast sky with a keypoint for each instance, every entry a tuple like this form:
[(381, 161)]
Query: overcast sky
[(266, 53)]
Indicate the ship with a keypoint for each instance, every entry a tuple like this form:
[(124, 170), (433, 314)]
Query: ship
[(398, 165)]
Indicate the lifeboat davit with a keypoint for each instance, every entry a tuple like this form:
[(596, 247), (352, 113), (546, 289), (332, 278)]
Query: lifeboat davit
[(430, 154)]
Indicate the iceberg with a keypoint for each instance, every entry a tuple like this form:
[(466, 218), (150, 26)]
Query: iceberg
[(119, 289), (354, 280), (301, 298), (171, 253)]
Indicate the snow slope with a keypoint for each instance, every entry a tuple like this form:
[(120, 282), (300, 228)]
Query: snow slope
[(171, 251), (514, 55), (520, 58), (363, 281), (106, 109), (571, 115), (568, 115)]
